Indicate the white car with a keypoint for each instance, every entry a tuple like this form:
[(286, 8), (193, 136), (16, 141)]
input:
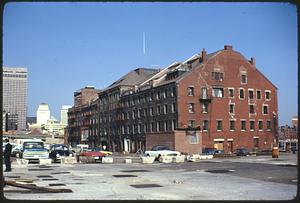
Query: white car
[(161, 150)]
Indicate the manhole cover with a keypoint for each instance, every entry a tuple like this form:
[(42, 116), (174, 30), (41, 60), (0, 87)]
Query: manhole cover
[(132, 171), (61, 172), (40, 169), (145, 185), (44, 176), (46, 179), (124, 176), (219, 171), (57, 184)]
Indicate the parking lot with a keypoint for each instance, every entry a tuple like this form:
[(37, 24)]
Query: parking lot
[(241, 178)]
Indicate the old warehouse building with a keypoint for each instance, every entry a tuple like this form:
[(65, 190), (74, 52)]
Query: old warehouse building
[(216, 100)]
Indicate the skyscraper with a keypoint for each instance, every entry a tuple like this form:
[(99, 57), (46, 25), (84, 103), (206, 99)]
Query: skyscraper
[(64, 114), (15, 94), (42, 114)]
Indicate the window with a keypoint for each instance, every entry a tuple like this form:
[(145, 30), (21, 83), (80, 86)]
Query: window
[(251, 108), (158, 110), (243, 125), (203, 93), (151, 111), (268, 95), (204, 108), (158, 95), (232, 125), (139, 113), (260, 125), (252, 125), (190, 91), (217, 76), (173, 107), (265, 109), (219, 125), (157, 126), (191, 108), (242, 94), (205, 125), (251, 94), (243, 79), (166, 126), (231, 108), (151, 126), (217, 92), (268, 125), (258, 94), (165, 93), (173, 124), (165, 108), (173, 93), (191, 123), (231, 92)]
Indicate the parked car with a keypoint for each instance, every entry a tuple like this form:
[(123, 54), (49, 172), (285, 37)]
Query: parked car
[(92, 152), (218, 151), (57, 151), (242, 152), (161, 150), (16, 151), (103, 151), (209, 151)]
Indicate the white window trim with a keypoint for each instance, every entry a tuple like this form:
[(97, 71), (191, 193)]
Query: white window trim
[(266, 95), (230, 88), (221, 125), (203, 125), (244, 73), (250, 125), (205, 112), (251, 89), (243, 130), (233, 108), (193, 88), (258, 125), (234, 125), (260, 94), (267, 125), (253, 107), (240, 94), (193, 105), (263, 109)]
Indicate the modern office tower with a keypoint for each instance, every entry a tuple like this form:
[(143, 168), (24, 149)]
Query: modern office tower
[(64, 114), (42, 114), (15, 94)]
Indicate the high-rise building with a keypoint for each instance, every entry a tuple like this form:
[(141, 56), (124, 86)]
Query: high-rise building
[(64, 114), (42, 114), (15, 94)]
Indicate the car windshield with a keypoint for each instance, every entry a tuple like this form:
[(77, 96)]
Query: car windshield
[(33, 145), (60, 147)]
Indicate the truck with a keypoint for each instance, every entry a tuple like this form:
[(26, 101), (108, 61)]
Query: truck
[(34, 150)]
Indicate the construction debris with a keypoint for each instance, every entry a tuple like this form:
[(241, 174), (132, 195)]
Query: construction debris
[(36, 188)]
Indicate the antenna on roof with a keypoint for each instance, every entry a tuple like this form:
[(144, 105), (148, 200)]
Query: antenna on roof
[(144, 43)]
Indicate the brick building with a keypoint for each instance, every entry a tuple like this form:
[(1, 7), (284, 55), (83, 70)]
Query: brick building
[(216, 100)]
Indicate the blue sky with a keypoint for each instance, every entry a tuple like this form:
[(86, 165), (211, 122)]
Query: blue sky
[(66, 46)]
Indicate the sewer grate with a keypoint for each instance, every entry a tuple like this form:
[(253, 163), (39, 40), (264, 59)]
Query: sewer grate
[(46, 179), (130, 171), (63, 172), (57, 184), (44, 176), (145, 185), (219, 171), (40, 169), (124, 176)]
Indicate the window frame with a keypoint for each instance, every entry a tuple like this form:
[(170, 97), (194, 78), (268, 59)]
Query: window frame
[(244, 95), (243, 121), (231, 88), (268, 91)]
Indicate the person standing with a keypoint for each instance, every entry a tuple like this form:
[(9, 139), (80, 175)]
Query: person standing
[(7, 152)]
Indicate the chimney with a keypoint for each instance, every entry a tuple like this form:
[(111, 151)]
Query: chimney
[(203, 55), (252, 61), (227, 47)]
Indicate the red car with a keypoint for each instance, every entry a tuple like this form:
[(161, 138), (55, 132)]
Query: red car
[(90, 152)]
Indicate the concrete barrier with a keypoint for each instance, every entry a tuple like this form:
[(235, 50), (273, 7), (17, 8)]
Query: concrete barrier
[(206, 156), (45, 161), (166, 159), (128, 161), (107, 160), (22, 161), (178, 159), (86, 159), (147, 159), (198, 157), (68, 160)]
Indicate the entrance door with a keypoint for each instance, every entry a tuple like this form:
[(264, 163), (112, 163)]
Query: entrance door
[(230, 146)]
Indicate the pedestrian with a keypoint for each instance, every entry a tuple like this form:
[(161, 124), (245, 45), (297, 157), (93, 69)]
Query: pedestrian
[(7, 152)]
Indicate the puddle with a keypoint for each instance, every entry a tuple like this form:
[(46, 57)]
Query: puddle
[(47, 179), (146, 185), (124, 176), (44, 176), (57, 184), (40, 169)]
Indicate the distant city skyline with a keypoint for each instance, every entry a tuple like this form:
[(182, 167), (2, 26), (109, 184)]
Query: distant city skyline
[(67, 46)]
